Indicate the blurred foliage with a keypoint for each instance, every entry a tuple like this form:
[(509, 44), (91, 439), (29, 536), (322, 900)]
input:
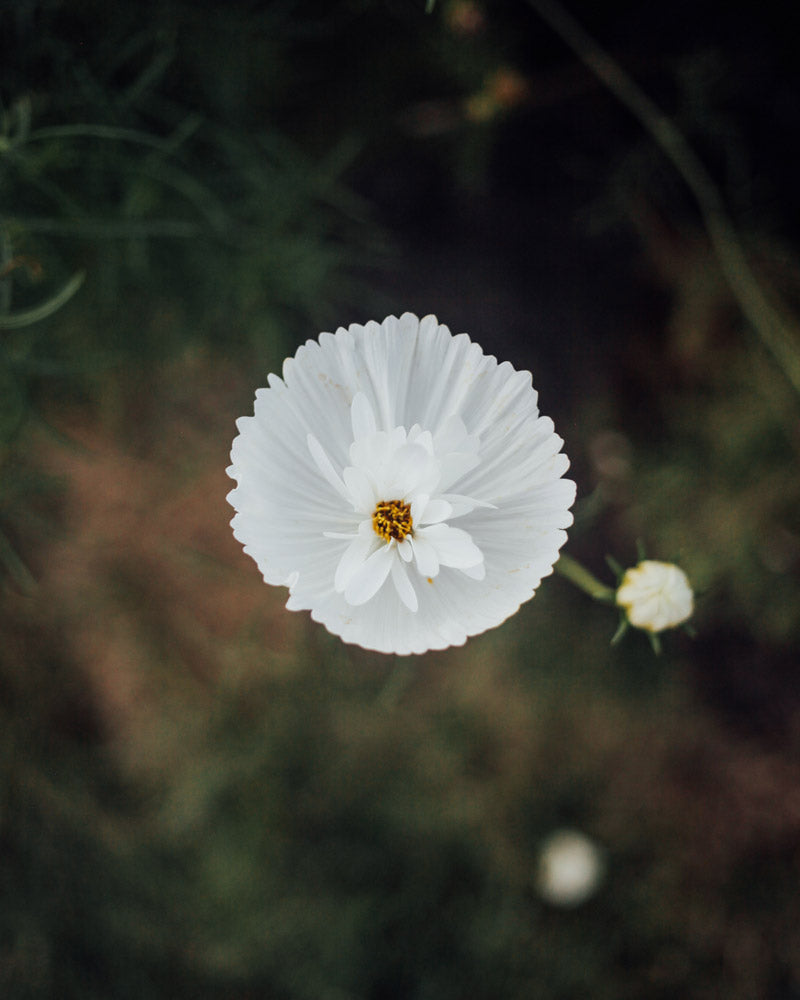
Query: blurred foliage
[(202, 795), (183, 220), (104, 169), (717, 490)]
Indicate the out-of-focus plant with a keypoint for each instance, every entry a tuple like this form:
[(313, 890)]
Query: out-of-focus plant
[(180, 227), (251, 228), (723, 490)]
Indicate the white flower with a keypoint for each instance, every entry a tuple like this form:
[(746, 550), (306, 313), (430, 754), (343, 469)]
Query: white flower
[(401, 484), (656, 596), (571, 868)]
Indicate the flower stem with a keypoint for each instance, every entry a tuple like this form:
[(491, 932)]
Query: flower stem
[(584, 580), (769, 317)]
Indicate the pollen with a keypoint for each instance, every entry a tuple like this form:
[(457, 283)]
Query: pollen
[(392, 520)]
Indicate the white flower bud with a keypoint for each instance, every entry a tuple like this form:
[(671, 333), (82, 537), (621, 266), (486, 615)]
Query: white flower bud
[(571, 867), (656, 596)]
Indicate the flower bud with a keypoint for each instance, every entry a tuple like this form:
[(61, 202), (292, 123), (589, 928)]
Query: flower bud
[(571, 867), (656, 596)]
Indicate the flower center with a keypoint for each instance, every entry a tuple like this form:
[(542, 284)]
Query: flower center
[(392, 519)]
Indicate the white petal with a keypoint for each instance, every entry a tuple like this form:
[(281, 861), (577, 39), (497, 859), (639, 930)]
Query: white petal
[(525, 457), (425, 440), (453, 546), (362, 417), (465, 505), (370, 452), (405, 550), (435, 510), (412, 470), (370, 576), (360, 490), (424, 555), (475, 572), (453, 436), (455, 465), (419, 505), (325, 466), (353, 558), (403, 585)]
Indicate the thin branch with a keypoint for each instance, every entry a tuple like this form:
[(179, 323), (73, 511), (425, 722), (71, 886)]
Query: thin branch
[(572, 570), (777, 333)]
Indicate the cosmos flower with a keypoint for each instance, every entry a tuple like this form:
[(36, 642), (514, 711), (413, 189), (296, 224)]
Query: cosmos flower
[(401, 484), (656, 596)]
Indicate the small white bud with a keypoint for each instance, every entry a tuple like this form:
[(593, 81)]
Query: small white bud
[(656, 596), (571, 867)]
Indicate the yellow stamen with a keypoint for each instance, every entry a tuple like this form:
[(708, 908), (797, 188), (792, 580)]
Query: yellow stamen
[(392, 520)]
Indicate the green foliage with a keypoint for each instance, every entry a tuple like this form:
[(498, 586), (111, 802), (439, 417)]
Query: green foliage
[(133, 226), (152, 200)]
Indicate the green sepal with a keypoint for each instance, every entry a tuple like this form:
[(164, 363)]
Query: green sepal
[(622, 628), (615, 568)]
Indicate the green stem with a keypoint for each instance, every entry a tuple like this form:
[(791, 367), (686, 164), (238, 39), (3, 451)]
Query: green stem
[(769, 318), (584, 580), (25, 317)]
